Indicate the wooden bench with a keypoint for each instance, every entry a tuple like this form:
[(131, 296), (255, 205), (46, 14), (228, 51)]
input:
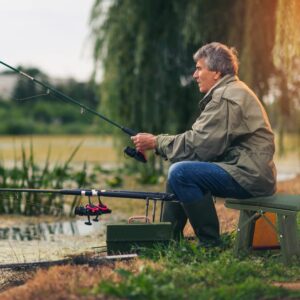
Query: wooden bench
[(284, 206)]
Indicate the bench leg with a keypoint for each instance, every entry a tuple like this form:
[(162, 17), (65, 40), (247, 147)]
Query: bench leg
[(288, 237), (245, 232)]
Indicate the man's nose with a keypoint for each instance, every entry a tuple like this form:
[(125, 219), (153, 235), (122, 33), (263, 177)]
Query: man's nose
[(195, 75)]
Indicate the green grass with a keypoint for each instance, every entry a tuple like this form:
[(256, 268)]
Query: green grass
[(187, 272)]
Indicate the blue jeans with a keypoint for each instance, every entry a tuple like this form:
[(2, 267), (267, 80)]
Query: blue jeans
[(190, 180)]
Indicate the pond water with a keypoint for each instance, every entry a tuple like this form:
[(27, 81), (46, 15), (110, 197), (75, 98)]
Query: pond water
[(36, 239)]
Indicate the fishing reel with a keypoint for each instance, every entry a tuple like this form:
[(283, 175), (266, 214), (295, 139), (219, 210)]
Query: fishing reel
[(92, 210), (132, 152)]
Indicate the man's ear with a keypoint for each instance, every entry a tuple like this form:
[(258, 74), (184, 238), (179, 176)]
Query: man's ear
[(217, 76)]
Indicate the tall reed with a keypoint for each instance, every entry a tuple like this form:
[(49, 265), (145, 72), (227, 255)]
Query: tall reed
[(28, 174)]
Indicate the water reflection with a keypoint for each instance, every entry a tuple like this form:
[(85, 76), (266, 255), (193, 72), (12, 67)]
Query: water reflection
[(28, 242), (50, 231)]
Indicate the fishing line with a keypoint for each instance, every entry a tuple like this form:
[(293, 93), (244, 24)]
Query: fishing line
[(35, 96)]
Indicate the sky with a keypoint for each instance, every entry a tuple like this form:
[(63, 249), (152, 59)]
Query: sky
[(52, 35)]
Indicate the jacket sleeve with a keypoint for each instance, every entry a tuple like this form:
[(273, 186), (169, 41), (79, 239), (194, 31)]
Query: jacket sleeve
[(209, 137)]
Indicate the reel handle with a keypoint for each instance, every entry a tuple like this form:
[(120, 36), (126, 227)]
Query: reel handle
[(132, 152)]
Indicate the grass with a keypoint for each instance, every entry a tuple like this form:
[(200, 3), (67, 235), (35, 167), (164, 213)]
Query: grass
[(186, 272)]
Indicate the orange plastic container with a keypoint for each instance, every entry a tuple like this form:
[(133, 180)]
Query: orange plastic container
[(265, 237)]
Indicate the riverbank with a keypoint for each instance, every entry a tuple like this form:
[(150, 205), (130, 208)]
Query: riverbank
[(262, 275)]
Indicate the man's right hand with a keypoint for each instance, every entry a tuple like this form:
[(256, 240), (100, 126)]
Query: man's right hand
[(144, 141)]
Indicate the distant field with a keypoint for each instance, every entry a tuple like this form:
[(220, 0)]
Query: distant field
[(94, 149)]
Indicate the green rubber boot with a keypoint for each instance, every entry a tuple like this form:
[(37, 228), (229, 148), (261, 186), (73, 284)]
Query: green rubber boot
[(173, 212), (204, 220)]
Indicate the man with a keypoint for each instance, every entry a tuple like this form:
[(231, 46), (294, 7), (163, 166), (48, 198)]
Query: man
[(228, 152)]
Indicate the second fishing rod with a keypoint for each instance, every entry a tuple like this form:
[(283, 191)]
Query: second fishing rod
[(132, 152)]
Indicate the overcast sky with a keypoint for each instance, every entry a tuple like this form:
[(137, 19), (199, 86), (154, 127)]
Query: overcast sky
[(52, 35)]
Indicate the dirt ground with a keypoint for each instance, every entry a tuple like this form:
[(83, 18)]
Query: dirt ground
[(68, 282)]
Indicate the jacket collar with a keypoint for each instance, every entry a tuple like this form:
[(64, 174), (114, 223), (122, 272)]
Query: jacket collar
[(222, 82)]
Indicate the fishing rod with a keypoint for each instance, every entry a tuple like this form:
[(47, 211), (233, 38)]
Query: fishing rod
[(94, 192), (99, 209), (132, 152)]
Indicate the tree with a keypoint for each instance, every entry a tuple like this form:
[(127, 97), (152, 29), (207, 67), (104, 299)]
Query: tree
[(287, 46), (256, 42), (286, 58)]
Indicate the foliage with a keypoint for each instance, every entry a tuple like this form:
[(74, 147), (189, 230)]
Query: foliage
[(31, 175), (27, 173), (32, 111), (188, 272)]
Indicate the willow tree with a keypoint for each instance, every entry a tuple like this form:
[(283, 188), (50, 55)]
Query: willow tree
[(287, 46), (138, 46), (286, 57)]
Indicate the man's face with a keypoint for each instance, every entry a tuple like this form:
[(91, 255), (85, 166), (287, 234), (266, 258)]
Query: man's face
[(204, 77)]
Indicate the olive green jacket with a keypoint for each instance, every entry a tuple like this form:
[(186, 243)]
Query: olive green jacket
[(232, 131)]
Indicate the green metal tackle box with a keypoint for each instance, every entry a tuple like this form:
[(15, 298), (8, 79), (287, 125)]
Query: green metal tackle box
[(127, 238)]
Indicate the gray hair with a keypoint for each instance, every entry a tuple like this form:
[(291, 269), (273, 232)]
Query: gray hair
[(218, 57)]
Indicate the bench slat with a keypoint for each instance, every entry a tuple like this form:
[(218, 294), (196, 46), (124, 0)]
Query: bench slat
[(260, 208), (279, 201)]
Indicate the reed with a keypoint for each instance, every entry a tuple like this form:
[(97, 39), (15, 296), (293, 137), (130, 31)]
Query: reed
[(29, 174)]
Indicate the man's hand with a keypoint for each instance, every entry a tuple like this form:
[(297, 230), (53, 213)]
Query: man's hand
[(144, 141)]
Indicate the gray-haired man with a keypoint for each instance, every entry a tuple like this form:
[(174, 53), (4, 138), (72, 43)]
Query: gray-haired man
[(228, 152)]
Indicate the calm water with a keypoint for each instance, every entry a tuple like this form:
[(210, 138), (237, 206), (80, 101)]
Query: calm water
[(34, 239)]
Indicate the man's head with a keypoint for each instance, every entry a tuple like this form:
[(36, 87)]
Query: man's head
[(213, 61)]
